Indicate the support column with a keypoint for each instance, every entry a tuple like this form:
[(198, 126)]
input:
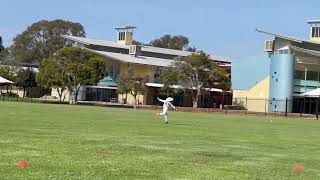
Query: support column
[(281, 82)]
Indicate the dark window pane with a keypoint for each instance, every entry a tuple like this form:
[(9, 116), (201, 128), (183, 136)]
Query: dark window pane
[(299, 75), (313, 32), (312, 76)]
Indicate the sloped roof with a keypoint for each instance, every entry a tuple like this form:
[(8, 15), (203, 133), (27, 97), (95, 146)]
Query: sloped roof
[(159, 85), (290, 38), (135, 60), (5, 81), (89, 41), (313, 93), (107, 81)]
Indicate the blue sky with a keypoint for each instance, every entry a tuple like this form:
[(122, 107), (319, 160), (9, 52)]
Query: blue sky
[(225, 28)]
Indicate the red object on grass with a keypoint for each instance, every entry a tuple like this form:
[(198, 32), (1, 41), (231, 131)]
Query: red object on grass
[(23, 163), (298, 168)]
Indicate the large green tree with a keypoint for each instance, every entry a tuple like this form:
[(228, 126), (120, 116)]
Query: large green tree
[(197, 72), (81, 67), (52, 75), (6, 56), (171, 42), (26, 78), (225, 84), (9, 72), (169, 76), (134, 84), (43, 39)]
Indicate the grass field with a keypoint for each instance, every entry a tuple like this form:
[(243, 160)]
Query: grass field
[(78, 142)]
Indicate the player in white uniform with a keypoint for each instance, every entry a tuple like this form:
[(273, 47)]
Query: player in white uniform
[(166, 104)]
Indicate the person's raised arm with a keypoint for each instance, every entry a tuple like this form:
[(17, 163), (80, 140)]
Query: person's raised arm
[(161, 100)]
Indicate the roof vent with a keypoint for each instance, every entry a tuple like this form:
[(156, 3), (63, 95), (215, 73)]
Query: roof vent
[(268, 47), (135, 50)]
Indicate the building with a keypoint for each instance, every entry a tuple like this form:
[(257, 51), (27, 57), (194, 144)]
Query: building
[(294, 70), (144, 60)]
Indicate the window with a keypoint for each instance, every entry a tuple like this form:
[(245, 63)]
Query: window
[(157, 74), (299, 75), (312, 76), (315, 32), (122, 36), (113, 70)]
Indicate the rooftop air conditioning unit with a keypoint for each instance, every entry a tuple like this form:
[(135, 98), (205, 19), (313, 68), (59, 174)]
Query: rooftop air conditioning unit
[(268, 47), (135, 50)]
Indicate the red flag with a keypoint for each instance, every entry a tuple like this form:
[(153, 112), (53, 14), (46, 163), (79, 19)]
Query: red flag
[(298, 168), (23, 163)]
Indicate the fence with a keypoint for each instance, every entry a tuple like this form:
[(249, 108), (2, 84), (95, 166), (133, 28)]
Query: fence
[(298, 106)]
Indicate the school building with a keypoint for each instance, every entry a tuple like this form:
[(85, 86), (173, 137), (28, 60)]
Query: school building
[(286, 79), (144, 60)]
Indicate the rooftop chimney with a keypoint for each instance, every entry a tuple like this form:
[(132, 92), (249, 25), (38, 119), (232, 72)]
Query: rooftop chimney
[(314, 30), (125, 35)]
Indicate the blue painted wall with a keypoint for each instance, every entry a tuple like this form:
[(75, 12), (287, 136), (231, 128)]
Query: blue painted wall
[(246, 73), (281, 82)]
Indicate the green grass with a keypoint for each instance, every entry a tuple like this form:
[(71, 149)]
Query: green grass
[(78, 142)]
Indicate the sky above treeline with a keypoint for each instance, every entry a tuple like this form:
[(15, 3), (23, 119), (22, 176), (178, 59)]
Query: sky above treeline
[(224, 28)]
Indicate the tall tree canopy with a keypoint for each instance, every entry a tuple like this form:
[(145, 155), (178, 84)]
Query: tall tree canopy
[(52, 75), (9, 72), (43, 39), (132, 83), (81, 67), (197, 72), (171, 42), (6, 55), (26, 78)]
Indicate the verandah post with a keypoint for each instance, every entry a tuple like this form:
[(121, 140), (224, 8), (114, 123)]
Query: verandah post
[(286, 112), (317, 107)]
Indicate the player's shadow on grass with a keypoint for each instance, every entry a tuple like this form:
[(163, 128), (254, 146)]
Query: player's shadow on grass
[(178, 124)]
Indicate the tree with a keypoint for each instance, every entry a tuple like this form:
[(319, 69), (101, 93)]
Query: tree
[(134, 84), (81, 68), (1, 46), (6, 56), (9, 72), (135, 42), (171, 42), (197, 72), (225, 83), (123, 87), (26, 78), (52, 75), (169, 76), (43, 39)]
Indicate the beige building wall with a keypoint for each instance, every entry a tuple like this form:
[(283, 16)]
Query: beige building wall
[(139, 70), (254, 99)]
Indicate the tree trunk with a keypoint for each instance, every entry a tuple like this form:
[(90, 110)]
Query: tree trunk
[(76, 95), (196, 99), (222, 99), (122, 98), (135, 102), (126, 98), (71, 95), (60, 93), (24, 92)]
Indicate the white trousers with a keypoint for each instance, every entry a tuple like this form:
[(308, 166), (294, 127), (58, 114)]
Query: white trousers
[(165, 115)]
